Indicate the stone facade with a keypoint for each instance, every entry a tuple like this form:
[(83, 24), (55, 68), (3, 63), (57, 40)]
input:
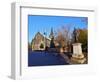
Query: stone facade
[(38, 40)]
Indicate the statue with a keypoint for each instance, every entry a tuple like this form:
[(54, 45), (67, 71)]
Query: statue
[(76, 35), (77, 56)]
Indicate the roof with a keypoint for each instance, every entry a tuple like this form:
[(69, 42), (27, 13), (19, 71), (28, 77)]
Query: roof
[(41, 35)]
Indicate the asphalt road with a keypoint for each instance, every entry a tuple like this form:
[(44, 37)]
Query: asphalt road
[(45, 59)]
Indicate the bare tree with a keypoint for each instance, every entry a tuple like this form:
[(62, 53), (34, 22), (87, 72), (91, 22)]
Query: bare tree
[(63, 35)]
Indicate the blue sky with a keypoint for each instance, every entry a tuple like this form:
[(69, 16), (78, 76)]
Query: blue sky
[(39, 23)]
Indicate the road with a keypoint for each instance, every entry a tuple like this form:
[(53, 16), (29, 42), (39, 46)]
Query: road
[(45, 59)]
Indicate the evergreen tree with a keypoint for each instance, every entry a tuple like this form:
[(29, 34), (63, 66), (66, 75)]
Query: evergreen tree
[(52, 45), (41, 46)]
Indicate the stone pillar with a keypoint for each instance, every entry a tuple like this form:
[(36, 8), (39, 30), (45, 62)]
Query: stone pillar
[(77, 50), (78, 56)]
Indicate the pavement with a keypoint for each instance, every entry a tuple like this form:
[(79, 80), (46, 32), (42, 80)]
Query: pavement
[(44, 59)]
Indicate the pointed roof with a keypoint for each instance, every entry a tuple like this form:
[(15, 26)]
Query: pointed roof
[(38, 33)]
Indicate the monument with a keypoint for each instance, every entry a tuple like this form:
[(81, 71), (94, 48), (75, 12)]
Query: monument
[(78, 56)]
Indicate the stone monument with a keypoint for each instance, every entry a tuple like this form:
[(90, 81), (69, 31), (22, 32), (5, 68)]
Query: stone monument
[(78, 56)]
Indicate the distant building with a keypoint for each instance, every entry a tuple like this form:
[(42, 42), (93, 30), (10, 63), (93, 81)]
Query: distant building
[(39, 42)]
